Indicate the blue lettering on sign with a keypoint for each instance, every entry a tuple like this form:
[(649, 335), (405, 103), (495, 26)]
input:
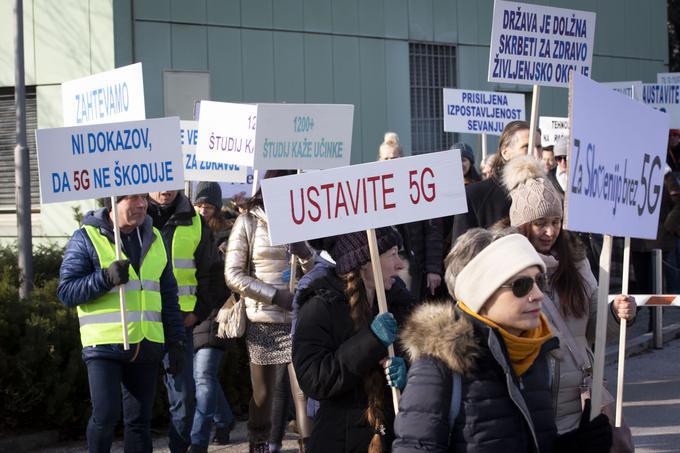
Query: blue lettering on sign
[(142, 173), (117, 140), (102, 102)]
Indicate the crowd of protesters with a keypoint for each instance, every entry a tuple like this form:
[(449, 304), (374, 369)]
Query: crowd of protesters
[(491, 315)]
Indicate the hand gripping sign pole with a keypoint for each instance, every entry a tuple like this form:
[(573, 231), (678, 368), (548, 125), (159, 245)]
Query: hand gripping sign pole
[(382, 300), (121, 288), (622, 335)]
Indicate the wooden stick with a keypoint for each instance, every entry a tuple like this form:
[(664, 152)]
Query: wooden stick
[(121, 288), (622, 335), (293, 267), (382, 300), (601, 327), (534, 121), (255, 177), (484, 150)]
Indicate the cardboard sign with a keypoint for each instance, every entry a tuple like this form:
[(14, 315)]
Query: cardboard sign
[(553, 128), (539, 45), (615, 179), (226, 133), (359, 197), (107, 97), (199, 170), (79, 163), (481, 112), (303, 136), (672, 78), (628, 89), (665, 98)]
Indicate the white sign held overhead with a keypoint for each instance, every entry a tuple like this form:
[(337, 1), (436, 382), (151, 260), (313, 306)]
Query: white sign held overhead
[(226, 133), (359, 197), (199, 170), (629, 89), (615, 180), (672, 78), (553, 128), (303, 136), (665, 98), (481, 112), (111, 96), (95, 161), (539, 45)]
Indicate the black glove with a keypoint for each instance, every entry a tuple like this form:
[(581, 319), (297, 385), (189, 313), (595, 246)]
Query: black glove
[(176, 354), (284, 299), (590, 437), (300, 249), (118, 272)]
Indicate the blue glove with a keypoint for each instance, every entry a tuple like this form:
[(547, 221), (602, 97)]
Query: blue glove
[(385, 328), (396, 372)]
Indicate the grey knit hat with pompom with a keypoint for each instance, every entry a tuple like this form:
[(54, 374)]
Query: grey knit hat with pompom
[(533, 195)]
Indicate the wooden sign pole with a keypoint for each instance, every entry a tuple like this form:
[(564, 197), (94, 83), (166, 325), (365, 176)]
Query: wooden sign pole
[(121, 288)]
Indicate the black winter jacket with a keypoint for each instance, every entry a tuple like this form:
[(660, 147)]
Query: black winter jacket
[(487, 203), (424, 244), (331, 359), (499, 412)]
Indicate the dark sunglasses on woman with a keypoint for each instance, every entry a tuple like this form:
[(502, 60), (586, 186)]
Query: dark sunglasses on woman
[(522, 286)]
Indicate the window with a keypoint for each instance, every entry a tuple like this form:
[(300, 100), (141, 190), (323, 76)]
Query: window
[(8, 141), (432, 67)]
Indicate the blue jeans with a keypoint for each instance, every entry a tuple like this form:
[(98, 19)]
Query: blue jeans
[(137, 383), (211, 405), (181, 395)]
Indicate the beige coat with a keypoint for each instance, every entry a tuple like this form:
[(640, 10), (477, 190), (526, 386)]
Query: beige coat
[(267, 268), (568, 376)]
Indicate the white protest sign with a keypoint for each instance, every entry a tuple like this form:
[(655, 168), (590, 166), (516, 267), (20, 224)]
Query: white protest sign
[(672, 78), (359, 197), (199, 170), (615, 179), (303, 136), (111, 96), (539, 45), (553, 128), (83, 162), (629, 89), (665, 98), (481, 112), (226, 132)]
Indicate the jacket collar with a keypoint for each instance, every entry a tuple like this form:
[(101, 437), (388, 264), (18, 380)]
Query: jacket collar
[(100, 219)]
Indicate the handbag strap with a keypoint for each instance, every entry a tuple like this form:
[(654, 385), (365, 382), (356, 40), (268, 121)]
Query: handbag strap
[(564, 333)]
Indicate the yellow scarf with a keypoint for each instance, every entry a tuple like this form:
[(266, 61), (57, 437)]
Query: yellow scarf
[(523, 350)]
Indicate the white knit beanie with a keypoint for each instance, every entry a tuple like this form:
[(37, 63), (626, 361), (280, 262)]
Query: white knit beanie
[(533, 195)]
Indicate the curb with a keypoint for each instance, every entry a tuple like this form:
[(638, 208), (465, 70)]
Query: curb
[(29, 442), (641, 344)]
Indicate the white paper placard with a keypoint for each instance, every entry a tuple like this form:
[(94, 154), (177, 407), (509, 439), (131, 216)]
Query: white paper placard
[(615, 179), (539, 45), (629, 89), (226, 132), (553, 128), (303, 136), (665, 98), (104, 160), (668, 78), (199, 170), (481, 112), (107, 97), (359, 197)]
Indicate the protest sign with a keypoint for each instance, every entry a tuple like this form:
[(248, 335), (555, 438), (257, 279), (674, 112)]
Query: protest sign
[(539, 45), (672, 78), (226, 132), (111, 96), (359, 197), (665, 98), (199, 170), (481, 112), (629, 89), (303, 136), (615, 180), (552, 129), (78, 163)]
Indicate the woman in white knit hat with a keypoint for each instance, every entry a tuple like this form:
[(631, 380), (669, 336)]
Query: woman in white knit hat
[(571, 302), (480, 374)]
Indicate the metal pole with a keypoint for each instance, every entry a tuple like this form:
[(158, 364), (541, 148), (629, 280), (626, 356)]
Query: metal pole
[(657, 312), (22, 175)]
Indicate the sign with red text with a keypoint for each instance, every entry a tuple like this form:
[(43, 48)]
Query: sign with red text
[(481, 112), (346, 199), (615, 179), (200, 170), (104, 160), (226, 133), (539, 45), (303, 136)]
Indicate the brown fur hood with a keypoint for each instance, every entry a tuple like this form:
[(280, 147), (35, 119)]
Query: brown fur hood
[(436, 330)]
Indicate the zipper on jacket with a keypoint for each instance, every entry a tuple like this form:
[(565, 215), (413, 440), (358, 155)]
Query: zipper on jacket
[(527, 417)]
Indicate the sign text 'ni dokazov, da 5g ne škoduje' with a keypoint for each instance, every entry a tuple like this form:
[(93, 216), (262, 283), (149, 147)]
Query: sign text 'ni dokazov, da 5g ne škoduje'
[(359, 197), (481, 112), (200, 170), (539, 45), (113, 159), (226, 133)]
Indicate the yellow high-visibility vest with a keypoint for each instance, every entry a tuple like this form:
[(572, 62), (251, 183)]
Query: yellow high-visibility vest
[(185, 241)]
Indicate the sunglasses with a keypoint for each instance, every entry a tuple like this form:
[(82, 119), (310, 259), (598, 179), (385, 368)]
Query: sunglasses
[(523, 285), (561, 158)]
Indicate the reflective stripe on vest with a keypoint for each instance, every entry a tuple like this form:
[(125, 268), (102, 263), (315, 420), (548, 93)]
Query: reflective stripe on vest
[(185, 241), (99, 319)]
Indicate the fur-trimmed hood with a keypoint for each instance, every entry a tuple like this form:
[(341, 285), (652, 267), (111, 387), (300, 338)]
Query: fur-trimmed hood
[(437, 330)]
